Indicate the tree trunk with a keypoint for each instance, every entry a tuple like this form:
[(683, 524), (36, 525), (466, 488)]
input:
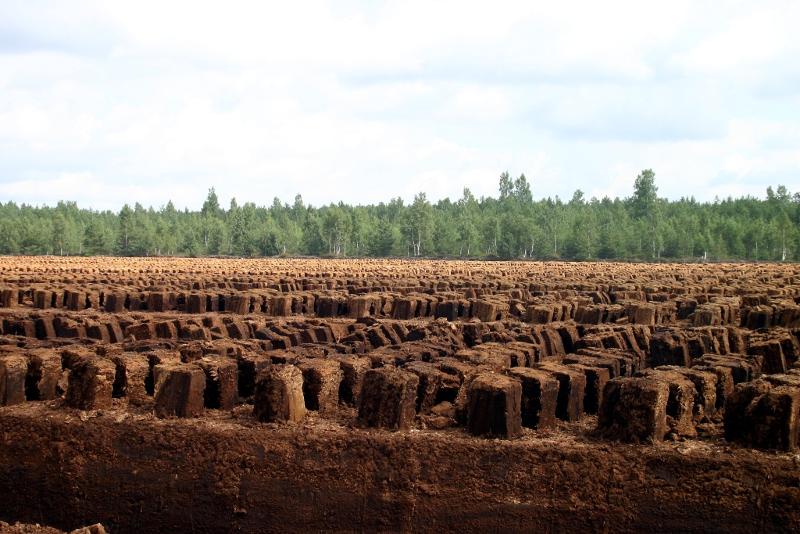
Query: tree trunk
[(783, 245)]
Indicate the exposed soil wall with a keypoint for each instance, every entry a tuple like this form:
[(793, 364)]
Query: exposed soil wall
[(225, 473)]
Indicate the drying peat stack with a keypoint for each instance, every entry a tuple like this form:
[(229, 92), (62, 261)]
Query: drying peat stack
[(251, 395)]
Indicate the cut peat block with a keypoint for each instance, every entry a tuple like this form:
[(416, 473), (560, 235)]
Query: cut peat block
[(681, 402), (571, 390), (765, 416), (44, 372), (279, 394), (634, 409), (91, 383), (133, 372), (539, 397), (222, 376), (388, 398), (434, 385), (321, 381), (250, 366), (706, 383), (353, 370), (179, 390), (495, 406), (13, 370), (596, 379)]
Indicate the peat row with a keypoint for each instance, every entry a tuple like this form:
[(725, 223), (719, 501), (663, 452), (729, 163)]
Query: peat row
[(595, 361)]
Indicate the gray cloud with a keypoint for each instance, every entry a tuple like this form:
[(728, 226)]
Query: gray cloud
[(118, 102)]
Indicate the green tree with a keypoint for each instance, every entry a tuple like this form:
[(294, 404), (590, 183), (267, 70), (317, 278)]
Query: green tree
[(211, 206), (522, 191), (513, 225), (646, 208), (97, 240), (125, 224), (59, 233), (506, 186), (419, 224), (384, 241), (645, 194)]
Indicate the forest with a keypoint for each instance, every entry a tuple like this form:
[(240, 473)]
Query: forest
[(513, 225)]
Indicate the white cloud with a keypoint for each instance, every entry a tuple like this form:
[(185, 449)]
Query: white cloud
[(747, 40), (117, 102), (473, 102)]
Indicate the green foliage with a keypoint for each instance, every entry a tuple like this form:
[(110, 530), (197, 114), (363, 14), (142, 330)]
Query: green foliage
[(644, 194), (513, 225), (384, 239), (418, 225)]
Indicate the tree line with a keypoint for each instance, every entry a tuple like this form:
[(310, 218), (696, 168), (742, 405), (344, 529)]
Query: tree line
[(513, 225)]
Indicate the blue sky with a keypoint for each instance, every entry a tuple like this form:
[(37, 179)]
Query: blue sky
[(114, 102)]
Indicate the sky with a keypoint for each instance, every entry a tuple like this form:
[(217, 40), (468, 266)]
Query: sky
[(108, 103)]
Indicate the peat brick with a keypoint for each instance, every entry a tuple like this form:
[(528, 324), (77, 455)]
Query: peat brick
[(279, 395), (44, 372), (13, 370), (179, 390), (250, 366), (321, 381), (353, 370), (539, 397), (571, 390), (495, 406), (90, 383), (634, 409), (388, 398), (222, 387)]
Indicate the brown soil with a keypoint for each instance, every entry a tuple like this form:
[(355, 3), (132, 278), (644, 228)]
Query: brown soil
[(173, 395), (225, 472)]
